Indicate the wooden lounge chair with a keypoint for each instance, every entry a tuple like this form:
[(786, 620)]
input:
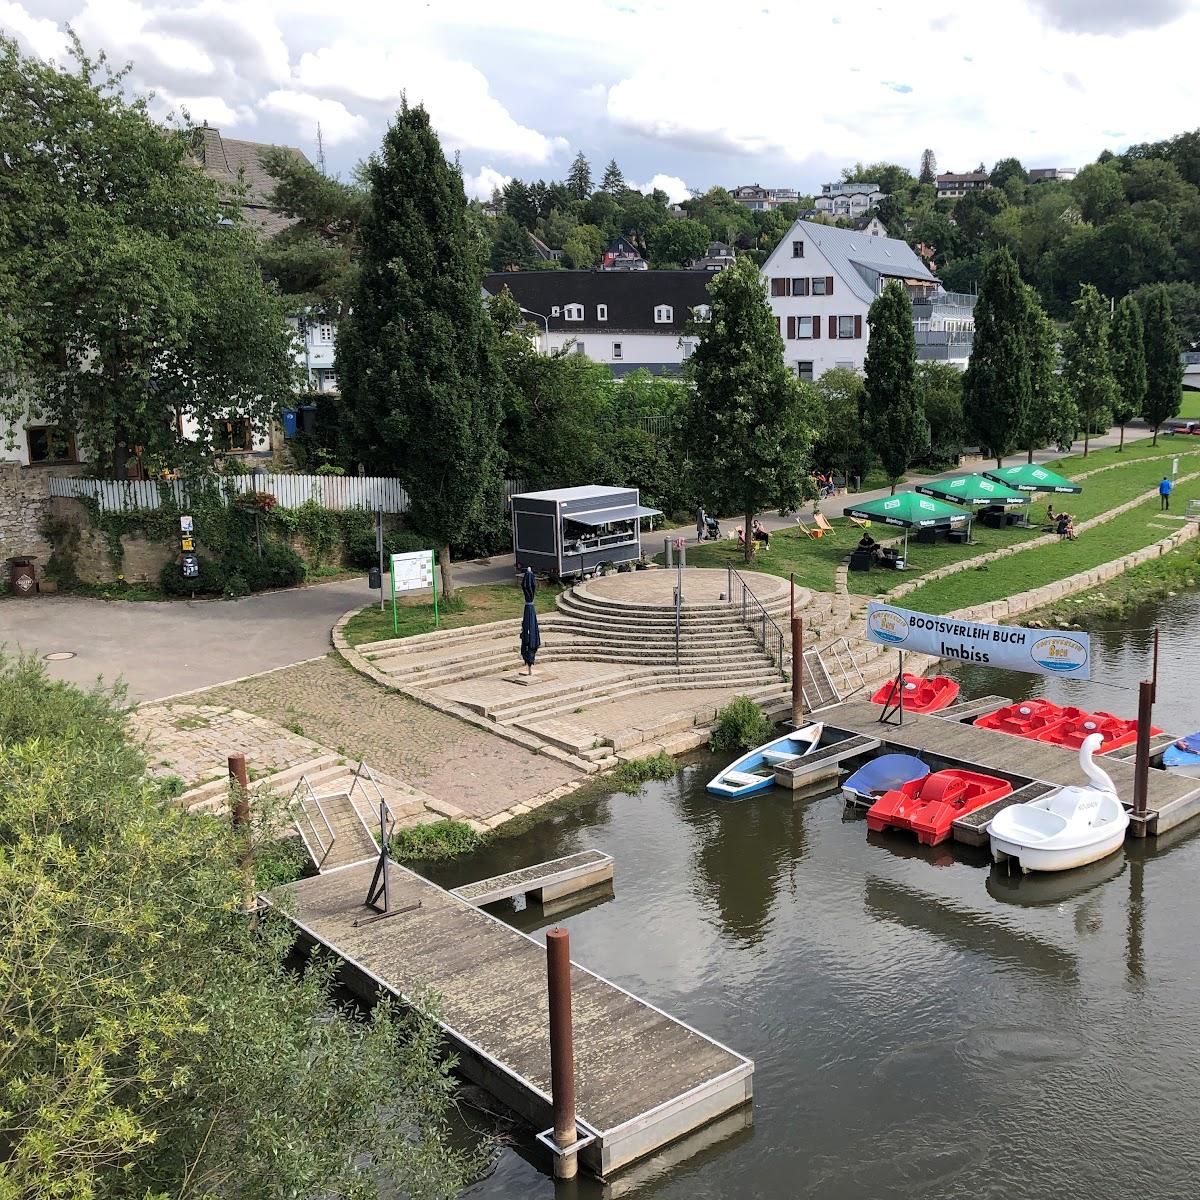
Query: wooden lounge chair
[(861, 522), (810, 531), (821, 521)]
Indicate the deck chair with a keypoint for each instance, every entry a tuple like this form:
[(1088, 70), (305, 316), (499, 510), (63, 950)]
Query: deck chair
[(810, 531), (821, 521), (861, 522)]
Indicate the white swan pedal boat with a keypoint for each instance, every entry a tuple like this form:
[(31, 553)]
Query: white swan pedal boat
[(1065, 828)]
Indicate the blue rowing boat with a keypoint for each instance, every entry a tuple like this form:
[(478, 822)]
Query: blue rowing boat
[(1184, 755), (755, 771), (887, 773)]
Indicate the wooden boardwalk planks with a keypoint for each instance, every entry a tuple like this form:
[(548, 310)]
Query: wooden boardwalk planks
[(642, 1077)]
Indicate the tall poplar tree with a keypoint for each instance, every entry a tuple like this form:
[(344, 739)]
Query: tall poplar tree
[(1128, 363), (1164, 369), (996, 384), (749, 424), (1051, 417), (1087, 369), (416, 357), (892, 416)]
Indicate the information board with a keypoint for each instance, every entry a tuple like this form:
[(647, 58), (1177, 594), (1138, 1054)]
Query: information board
[(1010, 647), (412, 572)]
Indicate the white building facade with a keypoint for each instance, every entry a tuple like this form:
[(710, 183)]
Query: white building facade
[(848, 199), (821, 282)]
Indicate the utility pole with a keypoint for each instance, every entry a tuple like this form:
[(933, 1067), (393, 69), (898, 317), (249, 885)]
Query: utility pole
[(320, 151)]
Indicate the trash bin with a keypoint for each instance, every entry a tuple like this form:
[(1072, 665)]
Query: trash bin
[(308, 418), (22, 577), (374, 579), (289, 422)]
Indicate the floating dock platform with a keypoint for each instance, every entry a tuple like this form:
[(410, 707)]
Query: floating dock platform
[(544, 881), (949, 735), (643, 1078)]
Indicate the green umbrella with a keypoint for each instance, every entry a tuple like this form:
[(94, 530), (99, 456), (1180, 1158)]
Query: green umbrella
[(909, 511), (975, 490), (1029, 477)]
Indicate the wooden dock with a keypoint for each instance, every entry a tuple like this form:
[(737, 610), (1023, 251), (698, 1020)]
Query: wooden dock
[(1171, 799), (643, 1078), (823, 763), (543, 881)]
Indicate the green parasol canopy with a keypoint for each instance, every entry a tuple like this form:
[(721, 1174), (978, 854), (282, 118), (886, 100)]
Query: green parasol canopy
[(908, 510), (1029, 477), (975, 490)]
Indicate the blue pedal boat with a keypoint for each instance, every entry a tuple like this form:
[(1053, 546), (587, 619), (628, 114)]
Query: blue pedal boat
[(755, 771)]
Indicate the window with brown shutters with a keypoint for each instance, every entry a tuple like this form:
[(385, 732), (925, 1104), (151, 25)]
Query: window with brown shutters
[(791, 327), (818, 285), (858, 327), (847, 327), (799, 287), (779, 287), (833, 332)]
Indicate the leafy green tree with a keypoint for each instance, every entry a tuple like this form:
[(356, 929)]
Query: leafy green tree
[(1184, 299), (613, 182), (1098, 191), (1006, 169), (520, 204), (1164, 368), (157, 1040), (132, 303), (416, 357), (976, 213), (584, 247), (313, 260), (939, 393), (892, 418), (928, 173), (579, 177), (556, 228), (677, 243), (840, 445), (749, 425), (511, 248), (1051, 419), (890, 177), (996, 383), (1128, 363), (1087, 368)]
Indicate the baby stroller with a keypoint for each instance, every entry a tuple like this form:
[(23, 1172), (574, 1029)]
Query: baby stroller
[(712, 528)]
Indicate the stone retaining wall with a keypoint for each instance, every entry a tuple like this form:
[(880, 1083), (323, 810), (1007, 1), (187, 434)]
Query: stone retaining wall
[(24, 501)]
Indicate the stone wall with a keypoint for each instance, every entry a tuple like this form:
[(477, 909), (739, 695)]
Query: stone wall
[(143, 559), (24, 500)]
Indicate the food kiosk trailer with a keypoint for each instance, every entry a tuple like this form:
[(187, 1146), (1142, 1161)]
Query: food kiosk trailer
[(569, 532)]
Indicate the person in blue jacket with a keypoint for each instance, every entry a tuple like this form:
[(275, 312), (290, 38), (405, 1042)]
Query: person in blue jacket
[(1164, 493)]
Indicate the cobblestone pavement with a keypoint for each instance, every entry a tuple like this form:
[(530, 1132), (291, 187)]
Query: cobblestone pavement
[(451, 760), (193, 740)]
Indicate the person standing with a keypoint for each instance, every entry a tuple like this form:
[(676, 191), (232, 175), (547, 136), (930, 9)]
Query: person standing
[(701, 523), (1164, 494)]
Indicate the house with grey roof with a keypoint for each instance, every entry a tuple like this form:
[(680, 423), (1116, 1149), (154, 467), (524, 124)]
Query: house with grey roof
[(822, 280)]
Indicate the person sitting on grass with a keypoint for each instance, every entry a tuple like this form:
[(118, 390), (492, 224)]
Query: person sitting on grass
[(1050, 518), (761, 535)]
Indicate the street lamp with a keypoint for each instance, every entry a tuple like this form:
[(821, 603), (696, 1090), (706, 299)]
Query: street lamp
[(545, 321)]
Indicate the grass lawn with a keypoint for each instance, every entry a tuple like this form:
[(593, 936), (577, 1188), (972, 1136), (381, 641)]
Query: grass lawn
[(470, 606), (1045, 564), (1189, 409)]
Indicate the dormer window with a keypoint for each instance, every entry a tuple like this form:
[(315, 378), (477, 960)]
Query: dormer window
[(601, 312), (702, 312), (555, 311), (664, 314), (573, 312)]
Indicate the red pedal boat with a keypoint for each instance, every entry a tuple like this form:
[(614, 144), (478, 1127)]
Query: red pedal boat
[(1029, 718), (920, 694), (1077, 724), (931, 805)]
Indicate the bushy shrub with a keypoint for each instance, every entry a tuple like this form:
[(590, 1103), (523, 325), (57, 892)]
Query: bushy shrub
[(629, 776), (740, 725), (210, 581), (435, 839)]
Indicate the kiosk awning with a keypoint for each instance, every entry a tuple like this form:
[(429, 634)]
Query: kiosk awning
[(604, 516)]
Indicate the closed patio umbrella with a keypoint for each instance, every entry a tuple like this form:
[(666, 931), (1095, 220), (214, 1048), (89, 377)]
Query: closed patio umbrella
[(531, 636)]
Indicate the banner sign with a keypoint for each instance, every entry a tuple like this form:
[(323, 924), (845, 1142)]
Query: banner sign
[(412, 572), (1010, 647)]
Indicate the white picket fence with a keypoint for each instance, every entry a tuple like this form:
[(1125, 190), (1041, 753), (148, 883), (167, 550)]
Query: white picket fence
[(337, 493)]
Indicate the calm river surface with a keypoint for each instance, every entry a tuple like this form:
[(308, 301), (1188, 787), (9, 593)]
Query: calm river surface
[(922, 1026)]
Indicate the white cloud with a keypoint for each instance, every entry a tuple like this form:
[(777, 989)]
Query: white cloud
[(481, 186), (42, 37), (674, 187), (338, 123), (457, 95)]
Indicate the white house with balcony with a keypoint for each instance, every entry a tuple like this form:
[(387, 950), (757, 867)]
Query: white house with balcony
[(822, 280), (629, 320), (848, 199)]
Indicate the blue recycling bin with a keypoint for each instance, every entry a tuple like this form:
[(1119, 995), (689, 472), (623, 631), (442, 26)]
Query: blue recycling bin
[(289, 422)]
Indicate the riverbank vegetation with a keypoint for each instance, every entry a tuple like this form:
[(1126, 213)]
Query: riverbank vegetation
[(740, 725), (157, 1042), (630, 775), (433, 841)]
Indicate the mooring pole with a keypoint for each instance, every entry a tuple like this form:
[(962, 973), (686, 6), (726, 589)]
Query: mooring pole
[(797, 671), (1141, 762), (562, 1048), (1154, 671), (240, 813)]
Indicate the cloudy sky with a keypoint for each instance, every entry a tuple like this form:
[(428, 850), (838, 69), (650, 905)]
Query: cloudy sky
[(687, 93)]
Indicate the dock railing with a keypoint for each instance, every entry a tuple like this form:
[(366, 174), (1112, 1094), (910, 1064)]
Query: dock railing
[(318, 846), (361, 772), (831, 675), (755, 617)]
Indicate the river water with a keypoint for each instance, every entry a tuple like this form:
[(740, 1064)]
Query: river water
[(922, 1025)]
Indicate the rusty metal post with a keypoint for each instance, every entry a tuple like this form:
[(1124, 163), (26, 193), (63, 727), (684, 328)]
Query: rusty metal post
[(562, 1048), (1141, 762), (240, 813), (797, 671), (1154, 672)]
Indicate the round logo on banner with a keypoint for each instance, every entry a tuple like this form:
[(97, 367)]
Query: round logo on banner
[(1058, 653), (889, 625)]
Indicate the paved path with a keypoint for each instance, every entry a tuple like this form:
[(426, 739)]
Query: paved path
[(451, 760)]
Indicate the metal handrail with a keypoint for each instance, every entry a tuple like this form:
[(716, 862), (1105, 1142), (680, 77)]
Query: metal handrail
[(359, 771), (303, 806), (755, 615)]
